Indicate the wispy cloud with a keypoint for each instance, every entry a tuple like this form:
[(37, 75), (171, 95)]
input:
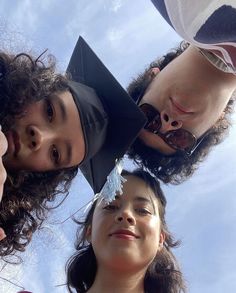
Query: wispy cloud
[(127, 35), (115, 35), (25, 15), (116, 5)]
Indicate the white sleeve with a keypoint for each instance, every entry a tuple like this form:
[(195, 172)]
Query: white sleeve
[(210, 25)]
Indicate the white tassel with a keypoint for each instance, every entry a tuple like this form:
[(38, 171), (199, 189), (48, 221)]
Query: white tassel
[(113, 185)]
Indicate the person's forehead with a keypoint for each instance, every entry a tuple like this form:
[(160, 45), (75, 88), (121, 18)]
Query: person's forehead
[(138, 190)]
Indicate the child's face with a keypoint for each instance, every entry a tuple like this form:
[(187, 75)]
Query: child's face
[(48, 137), (126, 233)]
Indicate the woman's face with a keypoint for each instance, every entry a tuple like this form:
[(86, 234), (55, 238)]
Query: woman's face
[(125, 234), (189, 93), (48, 137)]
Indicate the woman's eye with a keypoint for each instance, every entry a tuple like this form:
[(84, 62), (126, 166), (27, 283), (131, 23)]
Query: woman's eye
[(49, 110), (143, 211), (110, 207), (55, 155)]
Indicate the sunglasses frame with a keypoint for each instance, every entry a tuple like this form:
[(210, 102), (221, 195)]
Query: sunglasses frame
[(164, 136)]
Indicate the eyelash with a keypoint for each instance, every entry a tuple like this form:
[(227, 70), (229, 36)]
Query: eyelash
[(55, 156), (140, 211), (143, 211), (49, 110), (110, 207)]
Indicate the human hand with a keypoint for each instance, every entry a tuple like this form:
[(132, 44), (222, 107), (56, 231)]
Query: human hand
[(3, 174), (3, 149), (2, 234)]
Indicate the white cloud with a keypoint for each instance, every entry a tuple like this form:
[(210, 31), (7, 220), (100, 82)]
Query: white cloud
[(142, 28), (115, 35), (116, 5), (25, 15), (127, 35)]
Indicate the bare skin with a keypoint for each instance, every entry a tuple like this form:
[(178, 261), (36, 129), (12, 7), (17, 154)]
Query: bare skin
[(44, 138), (123, 258), (189, 93), (3, 174)]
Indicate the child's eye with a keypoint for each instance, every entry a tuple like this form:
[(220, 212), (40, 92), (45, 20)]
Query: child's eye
[(143, 211), (110, 207), (55, 155), (49, 110)]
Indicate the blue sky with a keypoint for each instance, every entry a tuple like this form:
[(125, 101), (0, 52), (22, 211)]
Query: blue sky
[(127, 35)]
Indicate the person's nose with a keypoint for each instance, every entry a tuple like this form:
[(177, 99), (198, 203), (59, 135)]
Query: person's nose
[(169, 123), (35, 137), (125, 216)]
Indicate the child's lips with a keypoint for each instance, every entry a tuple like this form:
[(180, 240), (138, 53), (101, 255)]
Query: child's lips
[(123, 233)]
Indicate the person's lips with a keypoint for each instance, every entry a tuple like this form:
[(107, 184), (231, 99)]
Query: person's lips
[(179, 108), (13, 142), (124, 234)]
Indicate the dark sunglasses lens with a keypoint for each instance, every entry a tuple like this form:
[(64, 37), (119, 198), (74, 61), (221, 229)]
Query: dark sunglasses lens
[(149, 111), (181, 139), (153, 116), (154, 125)]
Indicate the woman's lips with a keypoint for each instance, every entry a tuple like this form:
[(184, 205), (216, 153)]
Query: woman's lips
[(13, 142), (124, 234), (179, 107)]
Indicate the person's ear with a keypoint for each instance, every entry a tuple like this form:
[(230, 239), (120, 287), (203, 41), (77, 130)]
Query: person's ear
[(162, 240), (220, 121), (222, 116), (88, 233), (153, 71)]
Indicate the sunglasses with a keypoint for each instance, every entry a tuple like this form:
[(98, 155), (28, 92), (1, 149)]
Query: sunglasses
[(179, 139)]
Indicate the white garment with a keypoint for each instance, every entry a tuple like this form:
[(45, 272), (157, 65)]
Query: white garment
[(208, 25)]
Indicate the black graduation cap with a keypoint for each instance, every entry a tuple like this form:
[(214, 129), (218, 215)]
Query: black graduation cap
[(110, 119)]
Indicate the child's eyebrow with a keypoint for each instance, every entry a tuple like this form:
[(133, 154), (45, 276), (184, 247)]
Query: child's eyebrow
[(137, 198), (148, 200), (142, 199)]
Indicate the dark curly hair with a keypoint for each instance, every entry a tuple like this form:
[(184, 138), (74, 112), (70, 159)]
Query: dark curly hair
[(177, 167), (163, 274), (24, 207)]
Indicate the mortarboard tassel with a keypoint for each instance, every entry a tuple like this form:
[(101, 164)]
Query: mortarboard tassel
[(114, 183)]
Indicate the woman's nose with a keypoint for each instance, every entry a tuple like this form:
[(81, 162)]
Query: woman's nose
[(125, 216), (169, 123), (34, 137)]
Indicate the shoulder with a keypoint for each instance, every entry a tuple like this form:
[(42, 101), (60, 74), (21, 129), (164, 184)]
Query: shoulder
[(209, 25)]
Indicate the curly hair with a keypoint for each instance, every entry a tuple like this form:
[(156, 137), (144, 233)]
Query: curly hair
[(178, 167), (24, 207), (163, 274)]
